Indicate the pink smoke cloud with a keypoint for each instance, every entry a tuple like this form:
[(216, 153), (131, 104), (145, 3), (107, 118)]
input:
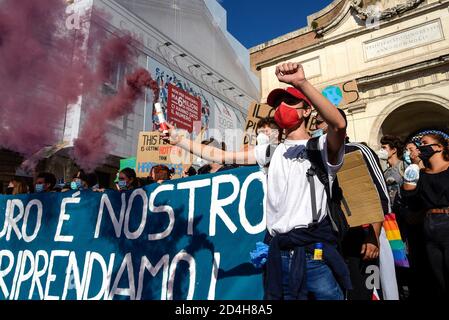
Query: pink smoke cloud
[(42, 70), (92, 145), (37, 78)]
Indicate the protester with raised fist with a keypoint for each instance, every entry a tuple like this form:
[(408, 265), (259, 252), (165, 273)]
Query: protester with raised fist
[(303, 261)]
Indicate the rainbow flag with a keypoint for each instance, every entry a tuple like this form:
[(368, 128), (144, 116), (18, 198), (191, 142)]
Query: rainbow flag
[(394, 237)]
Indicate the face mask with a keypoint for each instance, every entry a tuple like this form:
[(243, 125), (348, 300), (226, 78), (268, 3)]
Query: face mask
[(122, 184), (407, 158), (427, 152), (382, 154), (39, 188), (317, 133), (262, 139), (9, 190), (286, 117), (75, 185)]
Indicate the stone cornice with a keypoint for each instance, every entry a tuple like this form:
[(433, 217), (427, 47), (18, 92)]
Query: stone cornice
[(404, 70), (369, 13), (262, 58)]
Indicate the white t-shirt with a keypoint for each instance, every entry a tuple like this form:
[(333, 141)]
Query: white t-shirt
[(288, 194)]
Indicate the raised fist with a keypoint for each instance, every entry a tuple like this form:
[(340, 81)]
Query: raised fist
[(291, 73)]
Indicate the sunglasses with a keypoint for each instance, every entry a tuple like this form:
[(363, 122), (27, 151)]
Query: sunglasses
[(291, 101)]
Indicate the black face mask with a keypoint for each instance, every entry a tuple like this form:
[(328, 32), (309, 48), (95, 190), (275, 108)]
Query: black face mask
[(9, 190), (427, 152)]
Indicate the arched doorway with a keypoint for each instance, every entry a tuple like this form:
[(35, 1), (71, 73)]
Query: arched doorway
[(413, 117)]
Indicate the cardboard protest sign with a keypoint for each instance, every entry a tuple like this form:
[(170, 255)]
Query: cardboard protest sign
[(183, 239), (255, 112), (359, 191), (153, 150), (342, 94)]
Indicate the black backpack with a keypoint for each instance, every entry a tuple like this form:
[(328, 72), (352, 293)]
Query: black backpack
[(335, 213)]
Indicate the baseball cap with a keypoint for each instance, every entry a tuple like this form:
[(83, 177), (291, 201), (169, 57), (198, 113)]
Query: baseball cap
[(276, 93)]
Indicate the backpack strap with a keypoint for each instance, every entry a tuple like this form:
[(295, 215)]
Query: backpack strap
[(314, 155), (317, 168), (310, 177), (269, 153)]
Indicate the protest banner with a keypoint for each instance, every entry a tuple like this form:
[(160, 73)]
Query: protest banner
[(183, 239), (342, 94)]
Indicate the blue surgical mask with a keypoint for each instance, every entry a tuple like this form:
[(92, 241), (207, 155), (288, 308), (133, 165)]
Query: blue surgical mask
[(39, 188), (75, 185), (317, 133), (122, 184), (407, 158)]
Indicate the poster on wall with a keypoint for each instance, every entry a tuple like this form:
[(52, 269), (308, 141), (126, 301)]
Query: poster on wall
[(227, 126), (183, 109), (215, 113)]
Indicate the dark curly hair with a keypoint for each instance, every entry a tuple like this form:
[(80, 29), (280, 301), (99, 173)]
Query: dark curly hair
[(394, 143)]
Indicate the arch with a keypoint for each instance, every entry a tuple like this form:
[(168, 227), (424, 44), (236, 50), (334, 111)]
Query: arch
[(434, 102)]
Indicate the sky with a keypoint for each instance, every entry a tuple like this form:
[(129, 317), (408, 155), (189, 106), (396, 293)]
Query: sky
[(254, 22)]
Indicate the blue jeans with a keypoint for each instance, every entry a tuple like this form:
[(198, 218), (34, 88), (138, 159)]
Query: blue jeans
[(321, 282)]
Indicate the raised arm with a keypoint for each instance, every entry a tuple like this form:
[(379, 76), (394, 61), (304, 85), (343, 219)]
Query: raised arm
[(208, 152), (293, 74)]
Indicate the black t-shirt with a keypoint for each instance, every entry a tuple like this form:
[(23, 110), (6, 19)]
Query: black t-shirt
[(432, 191)]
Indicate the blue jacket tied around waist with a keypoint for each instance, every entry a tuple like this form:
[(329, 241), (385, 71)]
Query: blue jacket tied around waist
[(298, 240)]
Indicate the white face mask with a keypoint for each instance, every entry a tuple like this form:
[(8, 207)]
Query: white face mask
[(273, 138), (262, 139), (382, 154)]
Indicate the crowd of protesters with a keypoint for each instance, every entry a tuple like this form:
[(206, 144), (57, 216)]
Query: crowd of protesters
[(126, 178), (416, 176), (411, 176)]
